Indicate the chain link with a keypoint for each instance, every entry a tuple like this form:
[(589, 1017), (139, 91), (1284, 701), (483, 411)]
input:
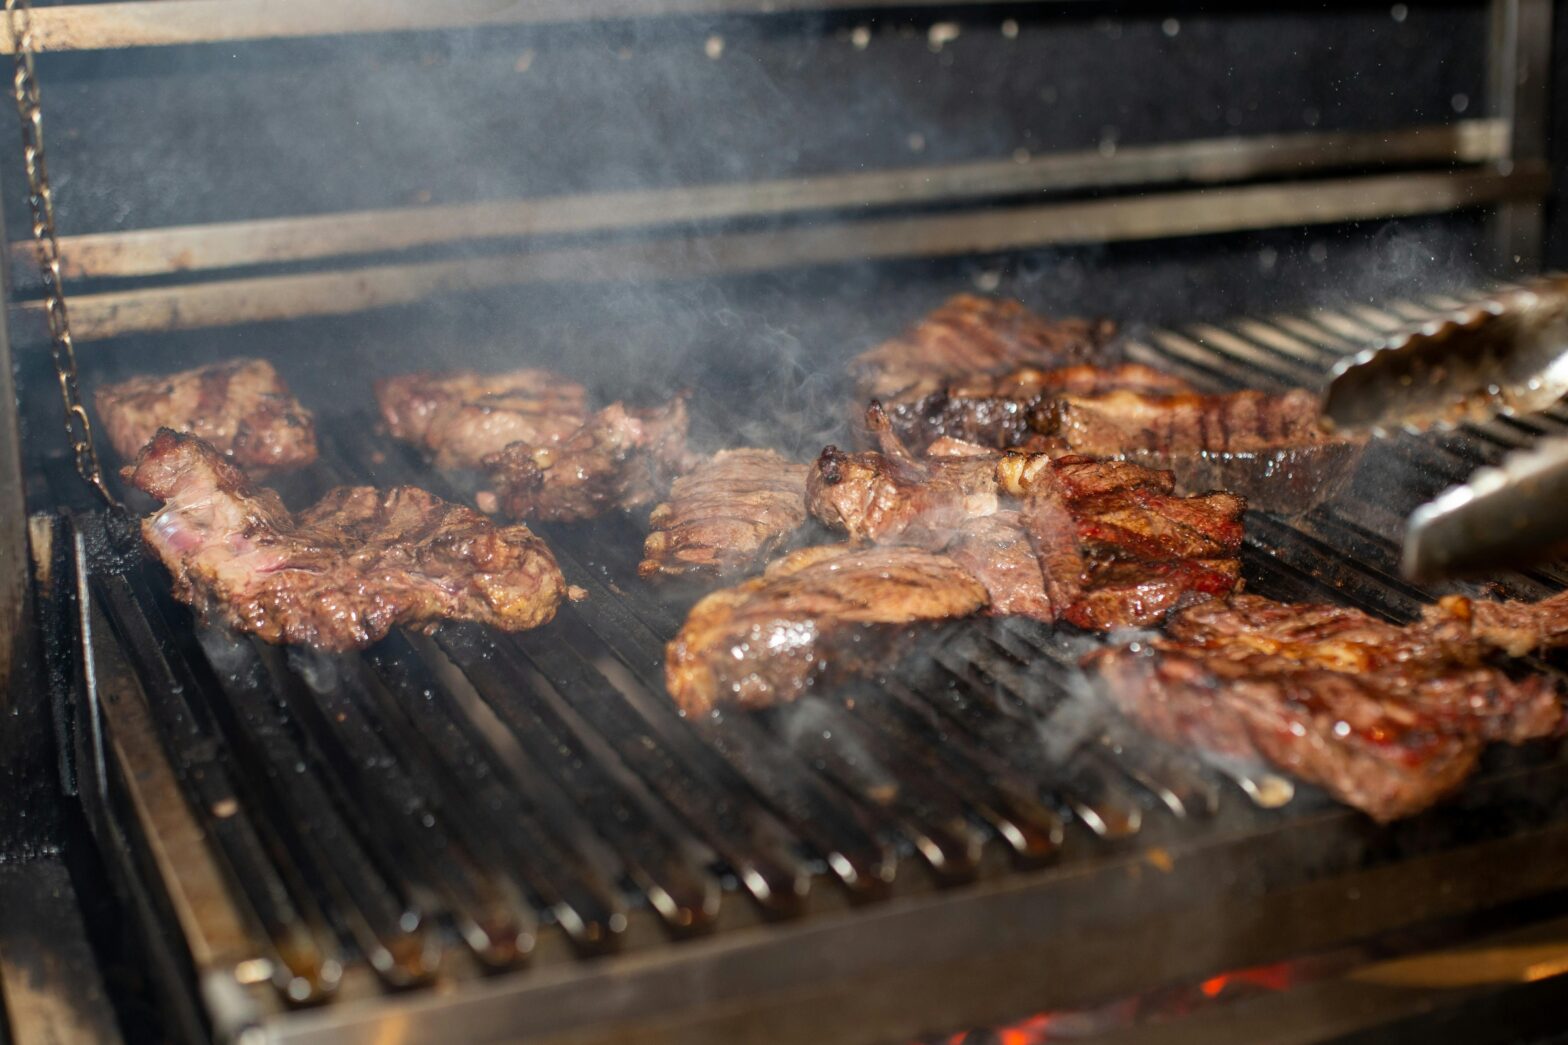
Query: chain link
[(40, 198)]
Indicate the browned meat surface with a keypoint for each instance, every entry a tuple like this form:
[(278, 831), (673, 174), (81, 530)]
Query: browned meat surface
[(1388, 719), (996, 550), (344, 572), (1014, 408), (727, 515), (1121, 593), (1268, 448), (1114, 546), (463, 416), (241, 407), (1515, 627), (621, 458), (834, 609), (874, 497), (968, 336)]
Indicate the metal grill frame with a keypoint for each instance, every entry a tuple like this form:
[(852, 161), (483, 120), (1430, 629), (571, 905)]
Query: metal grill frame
[(996, 907)]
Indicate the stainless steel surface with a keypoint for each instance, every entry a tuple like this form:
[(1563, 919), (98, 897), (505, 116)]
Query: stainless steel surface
[(51, 990), (103, 315), (199, 248), (160, 23), (1504, 354), (1519, 75), (1513, 515), (40, 199), (223, 947)]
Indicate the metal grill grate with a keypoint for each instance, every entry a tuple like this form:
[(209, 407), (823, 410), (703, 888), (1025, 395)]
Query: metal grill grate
[(443, 806)]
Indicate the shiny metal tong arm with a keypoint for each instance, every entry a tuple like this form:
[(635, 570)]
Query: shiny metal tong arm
[(1507, 354)]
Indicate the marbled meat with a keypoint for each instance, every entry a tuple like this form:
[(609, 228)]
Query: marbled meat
[(1115, 546), (969, 336), (241, 407), (342, 573), (1387, 718), (1268, 448), (461, 417), (813, 616), (727, 515), (622, 457), (1013, 409)]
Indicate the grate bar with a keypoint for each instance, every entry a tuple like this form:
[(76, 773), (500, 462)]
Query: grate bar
[(656, 858)]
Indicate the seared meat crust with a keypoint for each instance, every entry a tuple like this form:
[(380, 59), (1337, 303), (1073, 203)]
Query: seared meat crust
[(827, 609), (345, 571), (1389, 719), (462, 416), (1114, 547), (241, 407), (1268, 448), (970, 335), (1014, 408), (621, 458), (727, 515)]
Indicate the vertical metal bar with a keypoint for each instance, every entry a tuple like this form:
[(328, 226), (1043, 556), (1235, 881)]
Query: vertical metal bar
[(1519, 84), (13, 512)]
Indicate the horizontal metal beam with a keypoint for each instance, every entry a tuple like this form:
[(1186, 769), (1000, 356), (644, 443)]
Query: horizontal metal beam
[(145, 252), (162, 23), (229, 302)]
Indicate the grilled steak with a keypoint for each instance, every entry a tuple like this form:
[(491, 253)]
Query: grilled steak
[(240, 407), (997, 551), (1516, 628), (620, 458), (727, 515), (461, 417), (1388, 719), (829, 609), (1114, 546), (344, 572), (969, 336), (1014, 408), (1268, 448)]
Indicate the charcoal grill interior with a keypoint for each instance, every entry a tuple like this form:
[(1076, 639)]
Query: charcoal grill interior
[(483, 837), (533, 808)]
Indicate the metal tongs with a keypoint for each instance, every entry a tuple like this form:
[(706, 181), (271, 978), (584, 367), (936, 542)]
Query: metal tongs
[(1507, 354)]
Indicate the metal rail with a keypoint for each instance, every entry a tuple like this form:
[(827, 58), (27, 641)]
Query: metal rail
[(342, 291), (200, 248), (164, 23)]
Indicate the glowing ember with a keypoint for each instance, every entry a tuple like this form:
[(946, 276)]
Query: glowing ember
[(1080, 1024)]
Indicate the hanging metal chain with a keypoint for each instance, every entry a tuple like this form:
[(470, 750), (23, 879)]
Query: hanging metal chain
[(40, 198)]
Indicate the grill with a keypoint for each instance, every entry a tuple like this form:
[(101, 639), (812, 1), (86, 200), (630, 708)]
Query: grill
[(492, 836), (484, 837)]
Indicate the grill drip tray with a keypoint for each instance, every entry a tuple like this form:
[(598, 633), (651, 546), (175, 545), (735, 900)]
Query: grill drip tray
[(489, 837)]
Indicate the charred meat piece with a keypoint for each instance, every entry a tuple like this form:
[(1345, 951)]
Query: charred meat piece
[(463, 416), (1388, 719), (1114, 547), (969, 336), (621, 458), (874, 497), (344, 572), (833, 609), (240, 407), (1014, 408), (1267, 448), (1514, 627), (1121, 593), (997, 551), (729, 514)]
